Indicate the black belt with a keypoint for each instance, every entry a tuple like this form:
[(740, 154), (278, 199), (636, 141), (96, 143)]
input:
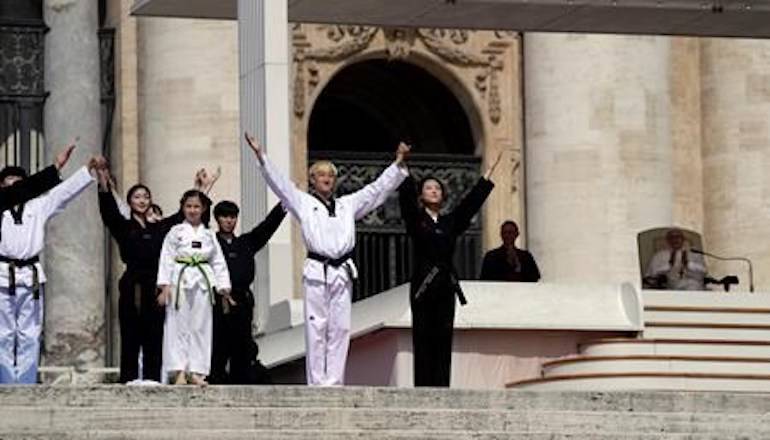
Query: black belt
[(328, 261), (453, 281), (334, 262), (13, 264)]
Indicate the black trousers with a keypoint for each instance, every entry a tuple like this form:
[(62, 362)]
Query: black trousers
[(141, 326), (233, 341), (433, 317)]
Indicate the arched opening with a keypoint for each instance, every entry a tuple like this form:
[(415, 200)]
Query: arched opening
[(374, 104), (357, 121)]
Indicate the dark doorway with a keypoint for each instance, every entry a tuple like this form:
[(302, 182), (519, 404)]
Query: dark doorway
[(372, 105), (357, 121)]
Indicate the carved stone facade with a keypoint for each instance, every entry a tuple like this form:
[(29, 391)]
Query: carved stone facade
[(481, 68)]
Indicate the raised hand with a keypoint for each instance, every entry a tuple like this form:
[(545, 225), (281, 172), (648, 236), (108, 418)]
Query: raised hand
[(491, 169), (64, 156), (255, 146), (105, 180), (402, 152), (96, 163)]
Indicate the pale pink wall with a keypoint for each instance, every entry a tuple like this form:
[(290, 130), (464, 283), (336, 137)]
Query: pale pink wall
[(481, 358)]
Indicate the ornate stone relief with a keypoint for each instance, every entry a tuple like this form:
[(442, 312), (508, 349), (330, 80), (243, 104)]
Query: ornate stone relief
[(450, 45)]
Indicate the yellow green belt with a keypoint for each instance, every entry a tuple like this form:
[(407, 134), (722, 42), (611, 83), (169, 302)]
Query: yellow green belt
[(195, 261)]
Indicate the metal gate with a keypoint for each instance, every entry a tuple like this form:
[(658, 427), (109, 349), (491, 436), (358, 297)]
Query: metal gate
[(383, 250)]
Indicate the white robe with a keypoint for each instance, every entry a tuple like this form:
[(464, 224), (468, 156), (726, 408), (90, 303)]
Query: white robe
[(21, 316), (187, 332), (328, 290), (678, 276)]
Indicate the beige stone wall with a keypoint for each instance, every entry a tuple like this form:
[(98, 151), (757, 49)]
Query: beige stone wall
[(188, 106), (598, 151), (736, 153)]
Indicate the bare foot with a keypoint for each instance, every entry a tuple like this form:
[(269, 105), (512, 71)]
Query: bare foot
[(197, 379), (180, 378)]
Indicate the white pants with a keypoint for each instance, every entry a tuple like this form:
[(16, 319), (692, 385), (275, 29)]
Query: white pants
[(21, 323), (187, 332), (327, 330)]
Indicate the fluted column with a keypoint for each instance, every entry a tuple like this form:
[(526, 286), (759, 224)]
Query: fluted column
[(74, 329), (598, 151), (736, 154)]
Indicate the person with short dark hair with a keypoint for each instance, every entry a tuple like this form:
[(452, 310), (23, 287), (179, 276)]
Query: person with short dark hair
[(508, 262), (233, 341)]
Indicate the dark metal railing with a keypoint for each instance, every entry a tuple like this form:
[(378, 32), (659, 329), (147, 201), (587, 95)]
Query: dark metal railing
[(383, 250)]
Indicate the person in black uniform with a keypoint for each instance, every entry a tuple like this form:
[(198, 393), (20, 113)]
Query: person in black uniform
[(139, 241), (509, 263), (36, 184), (233, 340), (434, 282)]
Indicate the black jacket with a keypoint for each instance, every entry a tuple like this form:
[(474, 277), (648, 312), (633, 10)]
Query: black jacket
[(497, 268), (239, 252), (433, 243)]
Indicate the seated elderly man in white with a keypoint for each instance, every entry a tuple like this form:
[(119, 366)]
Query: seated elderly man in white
[(676, 267)]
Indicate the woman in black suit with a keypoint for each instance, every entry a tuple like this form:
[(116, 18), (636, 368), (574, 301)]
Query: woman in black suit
[(434, 282)]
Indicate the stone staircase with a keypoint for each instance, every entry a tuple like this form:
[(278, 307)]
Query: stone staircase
[(286, 412), (692, 341)]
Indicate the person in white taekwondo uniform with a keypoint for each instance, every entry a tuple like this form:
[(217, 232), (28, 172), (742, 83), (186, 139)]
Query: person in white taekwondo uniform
[(192, 270), (328, 229), (22, 236)]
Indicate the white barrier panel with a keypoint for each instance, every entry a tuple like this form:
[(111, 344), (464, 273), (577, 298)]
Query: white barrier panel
[(491, 305)]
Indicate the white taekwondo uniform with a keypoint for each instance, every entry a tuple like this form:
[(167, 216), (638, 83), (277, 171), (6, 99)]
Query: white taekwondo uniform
[(329, 232), (192, 263), (21, 314)]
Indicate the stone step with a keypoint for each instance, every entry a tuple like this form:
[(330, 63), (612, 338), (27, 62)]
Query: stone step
[(627, 381), (656, 363), (674, 347), (96, 396), (129, 419), (711, 300), (704, 330), (284, 434), (707, 316)]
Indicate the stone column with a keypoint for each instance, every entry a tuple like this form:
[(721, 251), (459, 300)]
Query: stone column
[(598, 151), (263, 29), (736, 153), (188, 106), (74, 329)]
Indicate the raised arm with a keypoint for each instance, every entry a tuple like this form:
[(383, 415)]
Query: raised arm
[(36, 184), (57, 199), (370, 197), (291, 197), (470, 205), (259, 236)]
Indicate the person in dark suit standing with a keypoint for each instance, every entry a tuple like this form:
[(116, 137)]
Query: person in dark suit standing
[(434, 284), (509, 263), (233, 341)]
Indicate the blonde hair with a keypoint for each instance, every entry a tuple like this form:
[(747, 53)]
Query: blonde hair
[(322, 165)]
